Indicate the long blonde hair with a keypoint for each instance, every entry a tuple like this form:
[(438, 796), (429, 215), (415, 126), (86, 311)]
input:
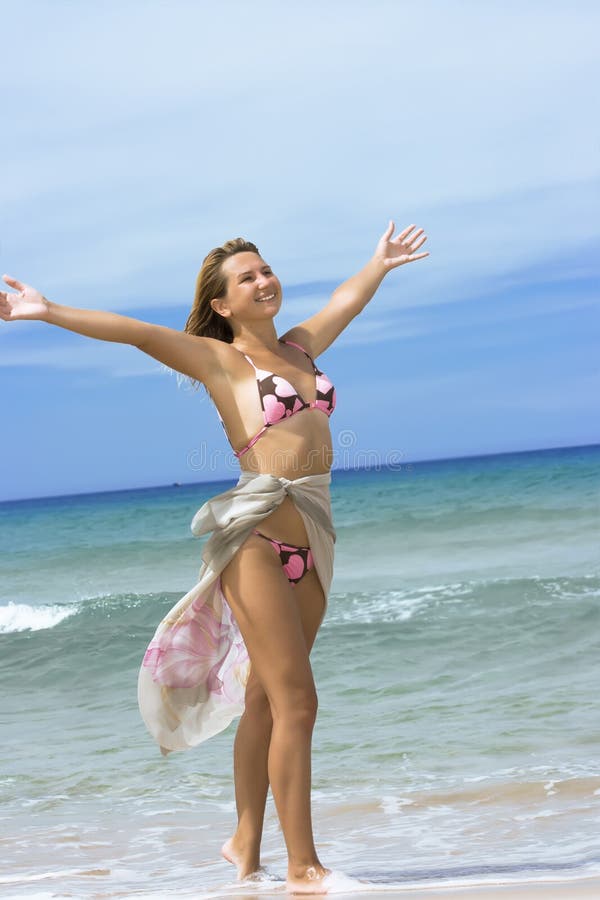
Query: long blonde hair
[(211, 282), (203, 320)]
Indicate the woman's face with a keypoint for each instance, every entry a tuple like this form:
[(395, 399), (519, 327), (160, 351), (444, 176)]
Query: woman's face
[(252, 288)]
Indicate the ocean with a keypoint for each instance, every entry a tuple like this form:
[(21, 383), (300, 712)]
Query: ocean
[(458, 667)]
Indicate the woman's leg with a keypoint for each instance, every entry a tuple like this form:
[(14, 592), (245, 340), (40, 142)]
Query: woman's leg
[(273, 617), (250, 755), (251, 746)]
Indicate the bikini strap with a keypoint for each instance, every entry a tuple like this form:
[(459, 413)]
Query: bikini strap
[(250, 361), (245, 355), (316, 370), (298, 346)]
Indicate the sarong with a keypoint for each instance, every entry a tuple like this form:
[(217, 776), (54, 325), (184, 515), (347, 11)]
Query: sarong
[(193, 676)]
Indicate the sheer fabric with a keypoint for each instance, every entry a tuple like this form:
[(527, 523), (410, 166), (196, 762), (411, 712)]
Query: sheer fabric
[(193, 676)]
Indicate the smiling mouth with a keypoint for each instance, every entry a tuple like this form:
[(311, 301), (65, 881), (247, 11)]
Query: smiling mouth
[(265, 299)]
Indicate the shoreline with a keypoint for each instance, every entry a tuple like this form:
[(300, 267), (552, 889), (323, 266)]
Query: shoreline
[(555, 889), (533, 889)]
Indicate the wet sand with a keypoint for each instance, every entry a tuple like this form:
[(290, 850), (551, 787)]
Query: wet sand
[(531, 890), (527, 890)]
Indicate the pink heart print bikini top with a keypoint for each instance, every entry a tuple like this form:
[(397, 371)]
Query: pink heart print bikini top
[(279, 399)]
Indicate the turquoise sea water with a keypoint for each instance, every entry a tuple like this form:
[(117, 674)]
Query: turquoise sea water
[(458, 735)]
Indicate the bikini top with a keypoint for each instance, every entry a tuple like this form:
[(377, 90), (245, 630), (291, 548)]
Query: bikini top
[(279, 399)]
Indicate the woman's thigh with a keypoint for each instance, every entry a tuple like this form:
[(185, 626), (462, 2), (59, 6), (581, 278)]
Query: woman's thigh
[(310, 600), (272, 619)]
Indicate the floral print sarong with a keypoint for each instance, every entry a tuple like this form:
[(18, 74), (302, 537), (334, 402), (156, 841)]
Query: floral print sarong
[(193, 676)]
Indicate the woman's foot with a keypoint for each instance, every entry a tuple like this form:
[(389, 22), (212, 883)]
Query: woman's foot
[(317, 880), (312, 880), (246, 863)]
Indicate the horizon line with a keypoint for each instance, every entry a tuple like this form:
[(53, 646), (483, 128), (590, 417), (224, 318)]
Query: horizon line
[(340, 471)]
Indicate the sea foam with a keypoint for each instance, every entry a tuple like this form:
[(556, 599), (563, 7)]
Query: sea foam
[(23, 617)]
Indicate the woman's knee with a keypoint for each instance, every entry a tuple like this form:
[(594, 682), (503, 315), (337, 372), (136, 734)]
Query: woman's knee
[(296, 707), (257, 703)]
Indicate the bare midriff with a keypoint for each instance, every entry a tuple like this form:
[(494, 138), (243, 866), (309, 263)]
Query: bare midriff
[(291, 449)]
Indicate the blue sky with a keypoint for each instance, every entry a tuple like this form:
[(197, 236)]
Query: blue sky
[(138, 135)]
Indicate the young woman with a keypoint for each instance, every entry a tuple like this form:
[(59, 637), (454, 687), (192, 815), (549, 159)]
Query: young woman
[(238, 643)]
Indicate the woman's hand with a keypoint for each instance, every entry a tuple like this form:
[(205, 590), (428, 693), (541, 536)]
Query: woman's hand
[(401, 249), (26, 304)]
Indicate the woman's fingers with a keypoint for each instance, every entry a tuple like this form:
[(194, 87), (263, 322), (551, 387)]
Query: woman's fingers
[(23, 303), (394, 262), (388, 232), (414, 244), (403, 238), (409, 240), (13, 282), (394, 252), (404, 233)]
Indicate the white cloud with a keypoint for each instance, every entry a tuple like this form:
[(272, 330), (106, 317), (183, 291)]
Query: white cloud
[(142, 134), (113, 358)]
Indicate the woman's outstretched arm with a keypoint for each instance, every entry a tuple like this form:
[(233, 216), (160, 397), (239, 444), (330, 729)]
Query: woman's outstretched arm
[(351, 297), (29, 303), (197, 357)]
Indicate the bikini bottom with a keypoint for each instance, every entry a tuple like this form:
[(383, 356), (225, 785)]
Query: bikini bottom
[(296, 561)]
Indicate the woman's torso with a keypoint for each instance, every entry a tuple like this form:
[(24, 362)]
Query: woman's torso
[(295, 446)]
